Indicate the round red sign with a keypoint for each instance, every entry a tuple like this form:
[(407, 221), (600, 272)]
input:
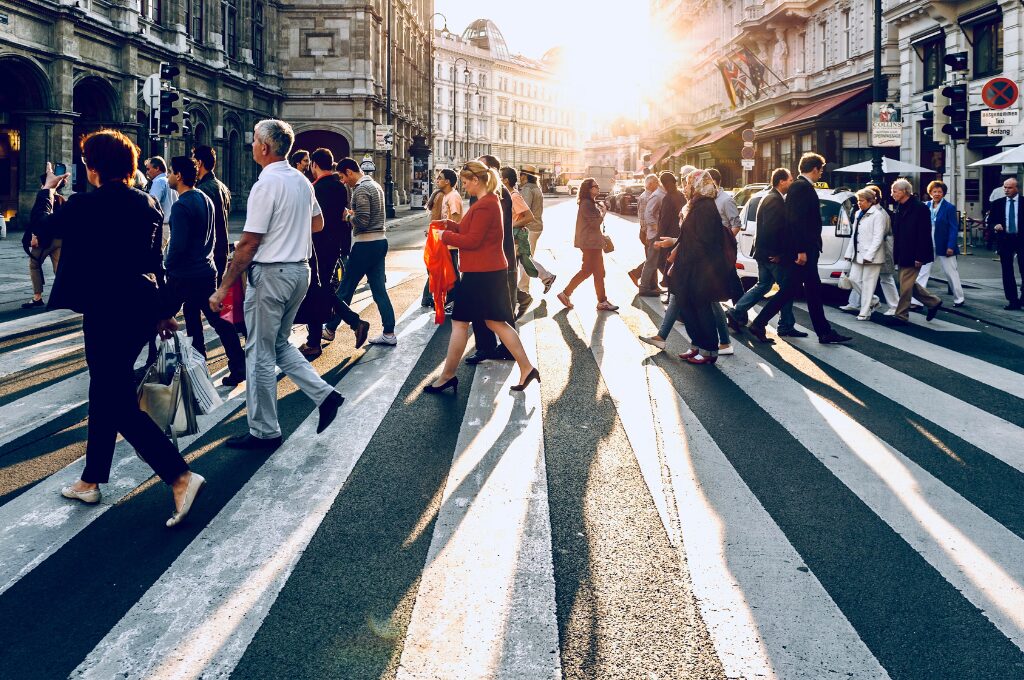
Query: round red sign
[(1000, 93)]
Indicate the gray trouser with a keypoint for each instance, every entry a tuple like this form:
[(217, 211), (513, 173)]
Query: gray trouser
[(649, 277), (271, 301)]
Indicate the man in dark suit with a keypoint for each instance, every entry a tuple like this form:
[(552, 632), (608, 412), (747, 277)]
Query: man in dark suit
[(774, 253), (803, 220), (1004, 218), (912, 249)]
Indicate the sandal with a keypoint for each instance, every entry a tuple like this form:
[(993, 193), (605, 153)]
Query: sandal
[(606, 307)]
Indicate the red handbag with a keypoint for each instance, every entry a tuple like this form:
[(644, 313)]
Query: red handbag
[(234, 302)]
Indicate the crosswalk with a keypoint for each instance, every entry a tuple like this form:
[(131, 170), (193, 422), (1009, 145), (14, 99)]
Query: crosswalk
[(795, 511)]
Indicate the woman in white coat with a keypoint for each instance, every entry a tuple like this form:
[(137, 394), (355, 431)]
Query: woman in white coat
[(866, 251)]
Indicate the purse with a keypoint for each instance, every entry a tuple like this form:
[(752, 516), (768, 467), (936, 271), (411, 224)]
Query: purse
[(170, 404), (845, 283), (607, 245)]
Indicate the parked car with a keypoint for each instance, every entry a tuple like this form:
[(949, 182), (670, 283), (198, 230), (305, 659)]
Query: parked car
[(837, 210), (620, 190), (574, 186), (741, 196), (626, 203)]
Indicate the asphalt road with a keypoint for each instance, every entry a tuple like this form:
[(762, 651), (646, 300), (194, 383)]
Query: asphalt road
[(796, 511)]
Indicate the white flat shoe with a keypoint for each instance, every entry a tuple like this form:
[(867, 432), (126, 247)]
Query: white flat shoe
[(90, 497), (863, 318), (726, 351), (850, 308), (195, 484), (651, 340)]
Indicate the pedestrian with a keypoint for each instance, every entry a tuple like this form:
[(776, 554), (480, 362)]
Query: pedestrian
[(330, 244), (648, 210), (590, 240), (300, 161), (730, 215), (156, 170), (700, 270), (281, 216), (191, 274), (913, 247), (866, 251), (38, 249), (366, 258), (669, 219), (522, 217), (119, 289), (773, 249), (140, 181), (486, 341), (945, 229), (803, 220), (1004, 218), (887, 278), (209, 184), (534, 199), (449, 207), (485, 292)]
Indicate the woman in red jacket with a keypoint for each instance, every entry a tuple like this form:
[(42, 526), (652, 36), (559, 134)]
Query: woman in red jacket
[(483, 293)]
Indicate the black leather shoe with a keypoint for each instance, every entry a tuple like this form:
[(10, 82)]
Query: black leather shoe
[(1013, 307), (251, 443), (328, 410), (361, 331), (791, 334), (833, 338), (33, 303), (502, 354), (478, 357), (734, 323), (233, 379), (932, 311), (759, 333)]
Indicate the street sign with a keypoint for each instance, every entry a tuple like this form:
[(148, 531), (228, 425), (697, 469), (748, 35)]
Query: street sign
[(151, 90), (385, 137), (367, 164), (1000, 93), (747, 136), (886, 124), (999, 132), (747, 163), (747, 153), (1000, 117)]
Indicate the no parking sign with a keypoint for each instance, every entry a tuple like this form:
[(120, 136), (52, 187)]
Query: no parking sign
[(1000, 93)]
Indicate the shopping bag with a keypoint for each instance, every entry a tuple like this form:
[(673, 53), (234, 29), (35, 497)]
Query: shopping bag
[(198, 376), (165, 395), (234, 303), (845, 283)]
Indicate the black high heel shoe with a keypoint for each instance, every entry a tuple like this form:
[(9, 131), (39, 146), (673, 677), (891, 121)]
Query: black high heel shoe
[(530, 377), (452, 383)]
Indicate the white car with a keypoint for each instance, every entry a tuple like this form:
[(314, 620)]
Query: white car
[(838, 208)]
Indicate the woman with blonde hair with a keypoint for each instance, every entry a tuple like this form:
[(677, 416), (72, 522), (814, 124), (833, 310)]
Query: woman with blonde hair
[(866, 251), (483, 292), (590, 240)]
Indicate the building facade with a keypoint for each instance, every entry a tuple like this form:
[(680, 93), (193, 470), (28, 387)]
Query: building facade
[(814, 61), (487, 100), (67, 69), (615, 145)]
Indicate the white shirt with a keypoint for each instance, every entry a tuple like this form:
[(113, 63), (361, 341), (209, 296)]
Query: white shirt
[(163, 193), (282, 206)]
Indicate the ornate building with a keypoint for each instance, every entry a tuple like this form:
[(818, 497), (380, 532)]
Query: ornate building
[(487, 100), (71, 66)]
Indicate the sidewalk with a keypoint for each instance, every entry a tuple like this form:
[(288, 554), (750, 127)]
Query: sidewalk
[(981, 276), (16, 287)]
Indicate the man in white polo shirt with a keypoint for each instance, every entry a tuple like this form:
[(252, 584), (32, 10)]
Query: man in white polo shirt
[(281, 216)]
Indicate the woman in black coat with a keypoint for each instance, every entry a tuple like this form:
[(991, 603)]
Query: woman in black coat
[(112, 273), (700, 273)]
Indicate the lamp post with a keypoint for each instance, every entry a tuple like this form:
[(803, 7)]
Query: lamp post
[(476, 91), (878, 94), (389, 179), (433, 70), (455, 104), (514, 122)]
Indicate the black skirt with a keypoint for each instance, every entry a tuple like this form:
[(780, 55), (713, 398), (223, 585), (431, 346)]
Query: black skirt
[(483, 296)]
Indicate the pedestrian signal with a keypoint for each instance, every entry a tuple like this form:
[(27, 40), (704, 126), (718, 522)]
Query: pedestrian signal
[(956, 109), (956, 61), (168, 72), (169, 113)]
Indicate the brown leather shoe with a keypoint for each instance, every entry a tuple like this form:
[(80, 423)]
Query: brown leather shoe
[(310, 352)]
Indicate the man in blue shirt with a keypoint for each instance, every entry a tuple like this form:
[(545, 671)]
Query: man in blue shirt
[(156, 170)]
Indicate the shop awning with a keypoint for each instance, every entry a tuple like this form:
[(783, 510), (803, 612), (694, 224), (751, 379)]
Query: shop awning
[(812, 111), (717, 136), (658, 155)]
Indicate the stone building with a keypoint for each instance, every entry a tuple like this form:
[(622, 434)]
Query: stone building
[(500, 103), (615, 145), (68, 67)]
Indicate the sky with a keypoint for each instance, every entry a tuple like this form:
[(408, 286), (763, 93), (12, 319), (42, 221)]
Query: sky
[(601, 39)]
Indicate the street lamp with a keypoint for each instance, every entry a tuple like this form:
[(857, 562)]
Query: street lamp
[(476, 91), (433, 70), (389, 179), (455, 103), (514, 122), (878, 95)]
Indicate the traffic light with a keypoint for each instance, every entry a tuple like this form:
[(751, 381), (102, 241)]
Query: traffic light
[(168, 72), (956, 61), (183, 120), (956, 109), (170, 115), (154, 122), (936, 118)]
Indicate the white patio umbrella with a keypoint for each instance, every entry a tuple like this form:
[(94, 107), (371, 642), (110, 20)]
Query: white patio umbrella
[(1014, 156), (889, 167)]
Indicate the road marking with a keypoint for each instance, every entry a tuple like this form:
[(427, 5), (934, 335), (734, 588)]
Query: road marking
[(988, 374), (35, 322), (39, 353), (224, 583), (486, 602), (978, 556)]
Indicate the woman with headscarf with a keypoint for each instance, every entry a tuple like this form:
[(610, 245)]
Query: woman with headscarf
[(700, 273)]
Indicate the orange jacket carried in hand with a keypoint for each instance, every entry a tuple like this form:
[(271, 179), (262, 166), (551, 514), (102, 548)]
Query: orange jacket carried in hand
[(439, 267)]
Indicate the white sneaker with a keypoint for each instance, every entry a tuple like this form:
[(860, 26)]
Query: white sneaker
[(383, 339), (850, 308), (726, 351), (891, 311), (90, 497), (863, 318)]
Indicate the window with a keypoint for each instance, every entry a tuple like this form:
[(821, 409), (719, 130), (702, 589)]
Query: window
[(933, 70), (483, 80), (823, 37), (257, 34), (152, 10), (988, 48), (194, 19), (846, 34), (229, 17)]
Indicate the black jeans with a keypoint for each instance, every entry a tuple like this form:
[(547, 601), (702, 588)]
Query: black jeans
[(194, 294), (1008, 246), (112, 343), (485, 339), (326, 262), (791, 278)]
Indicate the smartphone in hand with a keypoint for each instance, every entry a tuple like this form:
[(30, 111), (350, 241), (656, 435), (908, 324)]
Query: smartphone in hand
[(60, 169)]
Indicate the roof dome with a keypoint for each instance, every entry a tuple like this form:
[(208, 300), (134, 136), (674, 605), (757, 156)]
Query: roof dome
[(483, 33)]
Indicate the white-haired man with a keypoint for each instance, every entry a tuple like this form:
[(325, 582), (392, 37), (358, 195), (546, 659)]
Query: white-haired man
[(281, 216), (912, 249)]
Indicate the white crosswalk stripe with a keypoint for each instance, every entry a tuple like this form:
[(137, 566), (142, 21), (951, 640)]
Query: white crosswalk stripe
[(486, 603)]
